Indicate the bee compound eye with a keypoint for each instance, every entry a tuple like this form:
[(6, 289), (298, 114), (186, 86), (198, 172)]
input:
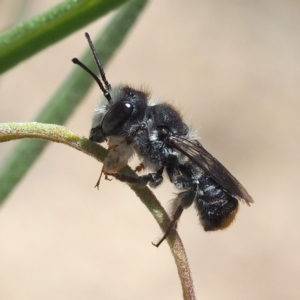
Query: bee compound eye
[(116, 117)]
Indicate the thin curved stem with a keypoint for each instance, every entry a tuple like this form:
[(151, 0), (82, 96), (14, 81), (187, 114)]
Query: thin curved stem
[(60, 134)]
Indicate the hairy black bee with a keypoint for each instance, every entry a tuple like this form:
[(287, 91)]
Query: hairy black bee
[(163, 143)]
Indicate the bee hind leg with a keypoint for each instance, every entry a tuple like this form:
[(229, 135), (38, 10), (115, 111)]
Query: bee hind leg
[(172, 225), (185, 198)]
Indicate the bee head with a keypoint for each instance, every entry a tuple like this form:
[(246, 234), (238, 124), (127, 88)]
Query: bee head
[(120, 107), (114, 118)]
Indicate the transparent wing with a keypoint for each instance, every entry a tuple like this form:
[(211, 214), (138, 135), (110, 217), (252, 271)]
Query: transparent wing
[(211, 166)]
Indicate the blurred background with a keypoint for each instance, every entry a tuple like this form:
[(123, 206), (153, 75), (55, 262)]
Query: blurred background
[(233, 67)]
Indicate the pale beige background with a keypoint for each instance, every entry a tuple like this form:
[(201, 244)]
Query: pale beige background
[(234, 67)]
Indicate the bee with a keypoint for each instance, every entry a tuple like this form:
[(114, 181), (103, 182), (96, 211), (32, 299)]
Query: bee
[(164, 144)]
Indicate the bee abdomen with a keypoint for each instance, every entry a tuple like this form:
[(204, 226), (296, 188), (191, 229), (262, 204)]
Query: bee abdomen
[(216, 208)]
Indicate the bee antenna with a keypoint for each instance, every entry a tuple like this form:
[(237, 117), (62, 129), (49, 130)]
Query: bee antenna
[(76, 61), (107, 87), (98, 63)]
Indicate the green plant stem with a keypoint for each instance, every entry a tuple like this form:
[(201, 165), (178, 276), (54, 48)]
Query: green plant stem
[(46, 29), (55, 133)]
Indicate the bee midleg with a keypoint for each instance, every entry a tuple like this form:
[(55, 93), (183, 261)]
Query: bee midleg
[(153, 179), (181, 177)]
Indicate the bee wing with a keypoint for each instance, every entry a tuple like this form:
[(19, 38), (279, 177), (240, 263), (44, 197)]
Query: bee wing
[(211, 166)]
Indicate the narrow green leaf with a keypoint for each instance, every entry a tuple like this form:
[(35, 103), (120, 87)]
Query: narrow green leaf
[(46, 29)]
